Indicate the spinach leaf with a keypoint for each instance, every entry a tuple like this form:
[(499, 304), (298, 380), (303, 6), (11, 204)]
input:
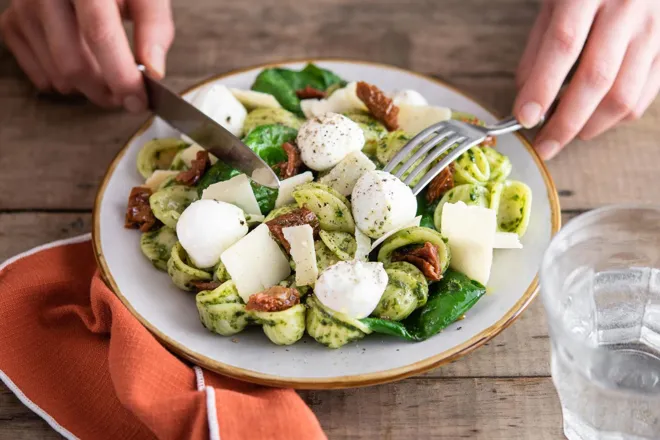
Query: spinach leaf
[(387, 327), (272, 82), (449, 299), (321, 79), (426, 210), (265, 197), (283, 83), (267, 140), (221, 171)]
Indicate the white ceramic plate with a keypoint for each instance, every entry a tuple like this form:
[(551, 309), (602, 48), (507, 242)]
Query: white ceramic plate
[(172, 316)]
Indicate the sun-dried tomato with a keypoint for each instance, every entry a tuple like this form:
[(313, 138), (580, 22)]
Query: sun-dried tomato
[(205, 285), (380, 106), (440, 184), (490, 141), (274, 299), (310, 92), (292, 166), (425, 258), (138, 213), (198, 167)]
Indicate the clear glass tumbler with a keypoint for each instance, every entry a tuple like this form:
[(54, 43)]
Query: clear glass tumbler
[(600, 284)]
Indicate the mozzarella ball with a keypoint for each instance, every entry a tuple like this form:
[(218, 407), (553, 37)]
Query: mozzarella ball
[(408, 97), (207, 227), (353, 288), (381, 202), (324, 141)]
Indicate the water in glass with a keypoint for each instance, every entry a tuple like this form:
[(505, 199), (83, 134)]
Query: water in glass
[(601, 289)]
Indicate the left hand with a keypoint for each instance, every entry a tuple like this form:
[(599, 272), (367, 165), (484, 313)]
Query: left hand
[(617, 78), (81, 46)]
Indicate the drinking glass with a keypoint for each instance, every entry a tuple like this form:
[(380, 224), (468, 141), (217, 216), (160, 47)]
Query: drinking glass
[(600, 284)]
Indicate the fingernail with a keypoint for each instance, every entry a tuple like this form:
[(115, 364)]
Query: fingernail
[(530, 114), (133, 104), (548, 149), (157, 60)]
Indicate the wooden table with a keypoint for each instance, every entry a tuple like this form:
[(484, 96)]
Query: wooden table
[(53, 153)]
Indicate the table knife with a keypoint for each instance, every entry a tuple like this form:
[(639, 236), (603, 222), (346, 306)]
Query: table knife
[(217, 140)]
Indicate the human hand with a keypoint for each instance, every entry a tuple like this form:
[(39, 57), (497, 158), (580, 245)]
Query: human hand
[(617, 77), (80, 45)]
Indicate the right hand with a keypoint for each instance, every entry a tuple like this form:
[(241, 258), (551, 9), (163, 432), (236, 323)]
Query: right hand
[(80, 45), (615, 48)]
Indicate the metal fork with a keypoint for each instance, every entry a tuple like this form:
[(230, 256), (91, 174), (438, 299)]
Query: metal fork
[(438, 139)]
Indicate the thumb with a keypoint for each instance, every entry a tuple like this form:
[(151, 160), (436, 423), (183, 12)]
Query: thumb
[(154, 32)]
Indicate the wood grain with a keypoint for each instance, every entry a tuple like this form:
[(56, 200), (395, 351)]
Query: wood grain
[(412, 409), (22, 231), (17, 422), (54, 151), (442, 409)]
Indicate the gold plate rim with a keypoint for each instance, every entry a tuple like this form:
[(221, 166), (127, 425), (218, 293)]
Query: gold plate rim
[(339, 382)]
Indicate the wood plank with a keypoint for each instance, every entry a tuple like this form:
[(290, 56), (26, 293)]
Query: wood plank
[(459, 37), (412, 409), (522, 350), (17, 422), (442, 409), (618, 167), (22, 231)]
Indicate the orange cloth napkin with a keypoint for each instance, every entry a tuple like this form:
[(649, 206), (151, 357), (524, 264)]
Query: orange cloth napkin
[(74, 354)]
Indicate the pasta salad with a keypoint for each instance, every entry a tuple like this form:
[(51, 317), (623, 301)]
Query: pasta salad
[(342, 249)]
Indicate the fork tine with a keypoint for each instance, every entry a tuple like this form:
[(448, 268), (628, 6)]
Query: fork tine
[(452, 156), (412, 144), (433, 155), (422, 150)]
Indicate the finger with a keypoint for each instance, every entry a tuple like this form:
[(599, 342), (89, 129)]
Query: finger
[(602, 58), (562, 43), (154, 32), (24, 55), (649, 92), (101, 26), (533, 43), (36, 38), (71, 60), (116, 101), (626, 92)]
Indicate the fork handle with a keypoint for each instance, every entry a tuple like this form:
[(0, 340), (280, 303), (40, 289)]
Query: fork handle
[(511, 124), (504, 126)]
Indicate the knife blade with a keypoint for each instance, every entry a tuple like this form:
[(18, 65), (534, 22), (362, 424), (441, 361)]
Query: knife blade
[(217, 140)]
